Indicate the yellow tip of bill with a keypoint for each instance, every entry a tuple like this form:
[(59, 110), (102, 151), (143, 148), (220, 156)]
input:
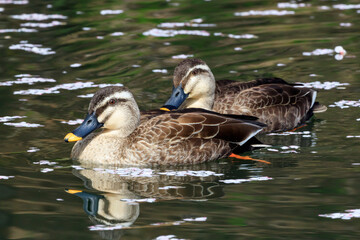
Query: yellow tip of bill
[(164, 109), (72, 191), (70, 137)]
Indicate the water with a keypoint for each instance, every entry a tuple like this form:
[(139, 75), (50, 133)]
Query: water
[(66, 51)]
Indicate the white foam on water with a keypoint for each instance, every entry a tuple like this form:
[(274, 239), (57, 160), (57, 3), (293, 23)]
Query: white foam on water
[(25, 30), (170, 187), (192, 23), (42, 25), (38, 16), (75, 65), (235, 36), (319, 51), (190, 173), (33, 149), (237, 181), (23, 124), (323, 85), (15, 2), (46, 170), (289, 133), (147, 200), (115, 34), (65, 86), (29, 80), (347, 215), (167, 237), (345, 24), (292, 5), (2, 177), (34, 48), (111, 12), (197, 219), (351, 136), (346, 6), (156, 32), (346, 104), (264, 13), (73, 122), (44, 162), (182, 56), (10, 118), (160, 71), (324, 7), (89, 95)]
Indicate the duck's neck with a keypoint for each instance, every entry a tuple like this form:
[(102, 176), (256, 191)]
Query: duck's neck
[(205, 102)]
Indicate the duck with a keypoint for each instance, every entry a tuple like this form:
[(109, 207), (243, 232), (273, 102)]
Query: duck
[(188, 136), (280, 105)]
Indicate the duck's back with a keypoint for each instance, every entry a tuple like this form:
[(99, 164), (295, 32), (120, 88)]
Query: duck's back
[(188, 136), (280, 105)]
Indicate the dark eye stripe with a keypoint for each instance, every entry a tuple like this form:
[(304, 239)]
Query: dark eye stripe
[(194, 72), (100, 110)]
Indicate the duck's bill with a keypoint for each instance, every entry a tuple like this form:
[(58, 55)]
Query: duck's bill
[(89, 125), (177, 98), (90, 201)]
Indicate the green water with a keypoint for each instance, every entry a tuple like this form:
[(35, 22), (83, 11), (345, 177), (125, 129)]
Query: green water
[(314, 171)]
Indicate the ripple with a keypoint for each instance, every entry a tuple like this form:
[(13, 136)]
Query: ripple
[(38, 16), (65, 86), (264, 13), (156, 32), (42, 25), (34, 48)]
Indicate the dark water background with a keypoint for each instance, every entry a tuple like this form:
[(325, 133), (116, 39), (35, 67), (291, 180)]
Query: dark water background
[(314, 171)]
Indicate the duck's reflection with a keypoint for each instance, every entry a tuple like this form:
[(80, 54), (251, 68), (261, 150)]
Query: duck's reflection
[(123, 189)]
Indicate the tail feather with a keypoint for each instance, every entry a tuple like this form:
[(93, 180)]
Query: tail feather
[(318, 108)]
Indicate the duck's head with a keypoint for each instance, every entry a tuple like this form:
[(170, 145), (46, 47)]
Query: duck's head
[(113, 108), (193, 86)]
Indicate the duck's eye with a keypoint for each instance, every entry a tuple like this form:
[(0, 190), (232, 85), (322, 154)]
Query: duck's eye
[(112, 101)]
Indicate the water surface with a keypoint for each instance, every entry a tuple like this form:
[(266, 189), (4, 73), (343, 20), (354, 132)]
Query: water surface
[(55, 54)]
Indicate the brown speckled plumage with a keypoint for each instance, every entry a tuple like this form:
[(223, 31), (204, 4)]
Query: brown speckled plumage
[(280, 105), (181, 137)]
